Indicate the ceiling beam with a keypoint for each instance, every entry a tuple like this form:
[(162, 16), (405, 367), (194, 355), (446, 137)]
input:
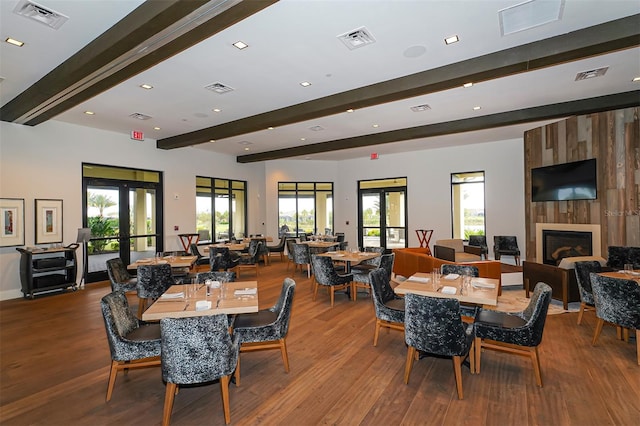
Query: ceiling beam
[(546, 112), (611, 36), (152, 33)]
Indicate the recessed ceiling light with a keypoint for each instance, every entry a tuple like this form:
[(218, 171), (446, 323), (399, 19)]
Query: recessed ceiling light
[(14, 42), (375, 126), (636, 79), (467, 85), (270, 128), (146, 86), (246, 148), (476, 108), (89, 112), (305, 84), (349, 110), (216, 110), (451, 40), (156, 128), (240, 45), (212, 140), (303, 139)]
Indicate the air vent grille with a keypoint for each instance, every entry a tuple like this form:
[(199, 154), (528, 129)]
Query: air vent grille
[(357, 38), (140, 116), (41, 14), (585, 75), (529, 14), (219, 88), (419, 108)]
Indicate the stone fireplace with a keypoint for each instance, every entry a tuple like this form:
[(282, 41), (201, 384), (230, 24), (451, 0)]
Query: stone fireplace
[(555, 241)]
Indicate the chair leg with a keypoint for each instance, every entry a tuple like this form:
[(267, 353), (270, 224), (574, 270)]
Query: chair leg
[(477, 343), (638, 345), (285, 356), (411, 351), (457, 361), (332, 295), (315, 291), (142, 304), (353, 290), (169, 395), (224, 390), (618, 332), (535, 359), (596, 333), (625, 334), (472, 358), (376, 333), (582, 306), (236, 374), (112, 379)]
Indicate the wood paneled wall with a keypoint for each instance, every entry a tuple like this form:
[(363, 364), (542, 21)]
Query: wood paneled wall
[(613, 138)]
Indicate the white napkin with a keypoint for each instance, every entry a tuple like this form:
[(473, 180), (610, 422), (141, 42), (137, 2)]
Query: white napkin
[(203, 305), (419, 279), (178, 295), (452, 277), (449, 290), (482, 285), (245, 291)]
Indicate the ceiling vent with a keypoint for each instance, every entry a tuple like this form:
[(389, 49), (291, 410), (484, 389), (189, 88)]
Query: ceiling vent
[(585, 75), (219, 88), (139, 116), (357, 38), (316, 128), (419, 108), (529, 14), (41, 14)]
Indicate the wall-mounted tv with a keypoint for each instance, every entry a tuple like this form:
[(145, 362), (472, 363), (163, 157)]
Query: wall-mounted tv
[(568, 181)]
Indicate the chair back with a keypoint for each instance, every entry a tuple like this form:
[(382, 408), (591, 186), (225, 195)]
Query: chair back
[(301, 254), (460, 269), (583, 270), (340, 236), (255, 250), (435, 325), (224, 260), (118, 275), (223, 277), (617, 300), (325, 272), (536, 313), (195, 251), (617, 256), (374, 250), (478, 240), (197, 349), (153, 280), (283, 308), (290, 242), (280, 246), (118, 322), (506, 243), (386, 263)]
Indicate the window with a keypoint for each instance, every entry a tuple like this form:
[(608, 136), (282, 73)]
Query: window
[(305, 207), (467, 204), (221, 208), (382, 218)]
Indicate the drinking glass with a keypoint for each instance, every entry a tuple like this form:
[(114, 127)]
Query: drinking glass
[(628, 268)]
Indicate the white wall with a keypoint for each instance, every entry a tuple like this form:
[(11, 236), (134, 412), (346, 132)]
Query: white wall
[(46, 162)]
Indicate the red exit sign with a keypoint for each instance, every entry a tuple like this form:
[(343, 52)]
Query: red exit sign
[(137, 135)]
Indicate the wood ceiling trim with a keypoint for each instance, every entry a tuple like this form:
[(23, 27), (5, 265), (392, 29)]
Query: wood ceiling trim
[(546, 112), (608, 37)]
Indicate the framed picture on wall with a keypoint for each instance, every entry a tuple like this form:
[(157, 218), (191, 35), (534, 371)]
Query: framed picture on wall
[(48, 221), (11, 222)]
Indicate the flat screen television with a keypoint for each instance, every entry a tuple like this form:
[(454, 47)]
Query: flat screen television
[(568, 181)]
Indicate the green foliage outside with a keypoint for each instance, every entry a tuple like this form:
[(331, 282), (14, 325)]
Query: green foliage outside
[(101, 227)]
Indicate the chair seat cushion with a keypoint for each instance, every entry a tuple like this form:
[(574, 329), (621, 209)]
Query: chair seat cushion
[(144, 333), (499, 319), (259, 319), (395, 304), (363, 268)]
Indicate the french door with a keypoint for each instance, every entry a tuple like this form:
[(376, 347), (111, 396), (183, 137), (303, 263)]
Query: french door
[(382, 213)]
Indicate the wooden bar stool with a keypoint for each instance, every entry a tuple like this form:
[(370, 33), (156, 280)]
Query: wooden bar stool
[(424, 238)]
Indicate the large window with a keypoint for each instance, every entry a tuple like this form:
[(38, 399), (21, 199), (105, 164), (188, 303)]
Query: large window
[(467, 204), (382, 218), (305, 207), (221, 210)]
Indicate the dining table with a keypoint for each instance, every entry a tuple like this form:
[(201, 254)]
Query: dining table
[(625, 275), (230, 246), (350, 258), (481, 291), (176, 262), (237, 297)]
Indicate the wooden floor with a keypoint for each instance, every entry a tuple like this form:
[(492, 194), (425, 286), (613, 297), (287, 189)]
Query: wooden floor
[(55, 358)]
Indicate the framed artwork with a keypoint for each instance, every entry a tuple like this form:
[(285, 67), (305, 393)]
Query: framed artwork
[(11, 222), (48, 221)]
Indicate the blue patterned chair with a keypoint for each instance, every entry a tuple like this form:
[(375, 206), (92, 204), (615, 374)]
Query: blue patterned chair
[(326, 275), (301, 256), (362, 277), (201, 260), (225, 259), (582, 271), (469, 311), (388, 306), (506, 246), (197, 350), (517, 332), (120, 278), (617, 301), (153, 280), (223, 276), (133, 343), (250, 259), (434, 325), (268, 328), (617, 256)]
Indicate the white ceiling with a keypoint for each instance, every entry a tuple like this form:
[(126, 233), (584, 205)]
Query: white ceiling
[(296, 40)]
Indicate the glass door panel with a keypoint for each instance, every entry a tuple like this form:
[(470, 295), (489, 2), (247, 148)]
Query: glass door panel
[(142, 223), (239, 212), (221, 208), (103, 218), (383, 213), (371, 219), (395, 215)]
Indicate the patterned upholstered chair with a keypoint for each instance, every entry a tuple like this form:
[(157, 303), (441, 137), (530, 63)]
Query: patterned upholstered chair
[(617, 301), (250, 259), (268, 328), (481, 242), (582, 270), (506, 246), (197, 350), (362, 277), (302, 257), (201, 260), (617, 256), (223, 277), (120, 278), (133, 343), (327, 276), (388, 306), (469, 311), (289, 243), (518, 332), (226, 260), (434, 325), (153, 280)]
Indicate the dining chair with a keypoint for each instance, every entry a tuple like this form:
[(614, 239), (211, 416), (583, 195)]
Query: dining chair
[(119, 276), (268, 328), (153, 280), (250, 259), (519, 333), (326, 275), (201, 260), (197, 350), (618, 256), (302, 257), (480, 241), (132, 343), (583, 279), (279, 248), (362, 277), (222, 276), (434, 325), (469, 311), (226, 260), (389, 307), (289, 243), (617, 301), (506, 245)]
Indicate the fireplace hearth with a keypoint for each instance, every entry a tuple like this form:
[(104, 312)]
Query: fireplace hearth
[(556, 245)]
